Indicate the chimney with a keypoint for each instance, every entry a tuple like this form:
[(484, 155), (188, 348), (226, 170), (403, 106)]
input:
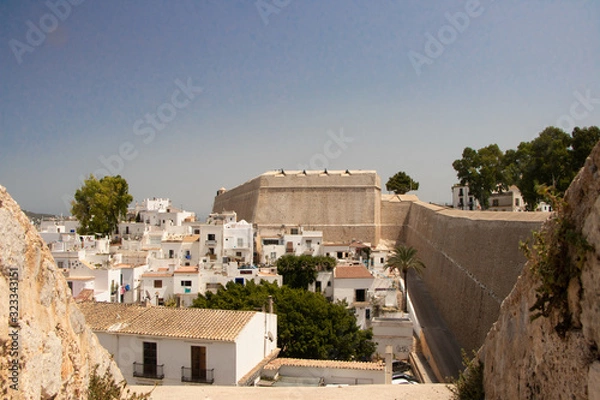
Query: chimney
[(270, 304)]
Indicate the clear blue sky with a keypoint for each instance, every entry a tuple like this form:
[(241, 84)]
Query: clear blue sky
[(279, 79)]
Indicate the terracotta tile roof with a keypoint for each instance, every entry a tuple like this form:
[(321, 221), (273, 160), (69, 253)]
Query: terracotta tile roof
[(85, 295), (188, 323), (103, 316), (186, 270), (79, 278), (352, 272), (159, 274), (191, 238), (297, 362)]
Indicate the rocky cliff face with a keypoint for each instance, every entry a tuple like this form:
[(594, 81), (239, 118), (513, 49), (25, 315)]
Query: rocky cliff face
[(526, 359), (46, 350)]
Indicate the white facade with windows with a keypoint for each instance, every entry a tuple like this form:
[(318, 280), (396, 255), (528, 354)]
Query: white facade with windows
[(510, 200), (462, 199), (174, 346), (354, 284), (298, 242), (238, 241)]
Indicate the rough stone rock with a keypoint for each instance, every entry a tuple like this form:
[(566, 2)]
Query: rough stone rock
[(526, 359), (54, 348)]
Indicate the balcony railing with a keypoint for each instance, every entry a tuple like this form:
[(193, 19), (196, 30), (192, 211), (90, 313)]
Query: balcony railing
[(197, 375), (153, 371)]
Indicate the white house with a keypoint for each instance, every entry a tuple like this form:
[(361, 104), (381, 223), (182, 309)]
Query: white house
[(186, 284), (296, 372), (298, 242), (339, 251), (509, 200), (462, 199), (238, 241), (354, 283), (157, 285), (175, 346)]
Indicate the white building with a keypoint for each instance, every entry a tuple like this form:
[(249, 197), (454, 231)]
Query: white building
[(297, 242), (543, 207), (175, 346), (354, 284), (462, 199), (120, 283), (510, 200), (158, 285), (238, 239), (296, 372), (395, 332), (160, 212)]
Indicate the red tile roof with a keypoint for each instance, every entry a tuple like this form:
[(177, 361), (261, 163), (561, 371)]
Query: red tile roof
[(188, 323), (352, 272), (186, 270)]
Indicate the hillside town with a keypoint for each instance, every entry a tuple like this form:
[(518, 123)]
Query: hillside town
[(160, 258), (143, 278)]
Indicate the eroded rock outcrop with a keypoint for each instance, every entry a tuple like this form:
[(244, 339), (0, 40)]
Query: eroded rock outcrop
[(525, 359), (42, 329)]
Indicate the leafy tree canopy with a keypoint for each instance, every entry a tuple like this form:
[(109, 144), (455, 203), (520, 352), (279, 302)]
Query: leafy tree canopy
[(481, 170), (401, 183), (551, 159), (99, 205), (308, 326), (300, 271)]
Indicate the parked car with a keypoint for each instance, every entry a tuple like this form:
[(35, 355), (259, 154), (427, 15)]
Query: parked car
[(401, 379)]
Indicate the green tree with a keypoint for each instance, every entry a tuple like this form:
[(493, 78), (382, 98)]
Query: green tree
[(99, 205), (546, 160), (552, 159), (308, 326), (401, 183), (300, 271), (582, 143), (482, 170), (403, 259)]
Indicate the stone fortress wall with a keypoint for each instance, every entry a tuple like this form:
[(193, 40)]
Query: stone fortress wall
[(342, 204), (472, 257), (473, 261)]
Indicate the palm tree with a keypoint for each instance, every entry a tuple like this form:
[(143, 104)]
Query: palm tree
[(404, 258)]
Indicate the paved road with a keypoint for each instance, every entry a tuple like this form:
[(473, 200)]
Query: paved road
[(441, 341)]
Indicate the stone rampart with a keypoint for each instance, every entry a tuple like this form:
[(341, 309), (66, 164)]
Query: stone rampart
[(344, 205), (394, 212), (473, 261), (472, 257)]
